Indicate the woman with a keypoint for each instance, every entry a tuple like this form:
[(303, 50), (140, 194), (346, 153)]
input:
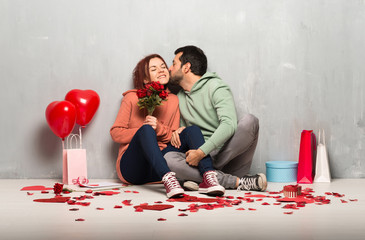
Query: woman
[(143, 138)]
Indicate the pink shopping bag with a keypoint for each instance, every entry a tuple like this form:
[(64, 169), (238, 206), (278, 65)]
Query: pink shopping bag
[(74, 164), (307, 157)]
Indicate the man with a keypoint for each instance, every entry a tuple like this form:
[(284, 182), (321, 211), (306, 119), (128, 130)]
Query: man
[(207, 102)]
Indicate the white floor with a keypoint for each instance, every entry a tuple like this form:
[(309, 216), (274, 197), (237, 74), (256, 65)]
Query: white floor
[(21, 218)]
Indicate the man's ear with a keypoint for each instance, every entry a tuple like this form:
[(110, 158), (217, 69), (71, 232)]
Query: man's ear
[(186, 67)]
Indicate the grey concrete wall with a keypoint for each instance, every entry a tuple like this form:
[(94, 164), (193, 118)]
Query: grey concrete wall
[(295, 64)]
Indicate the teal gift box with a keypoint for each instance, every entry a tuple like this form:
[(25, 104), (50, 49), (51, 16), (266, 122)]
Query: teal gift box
[(281, 171)]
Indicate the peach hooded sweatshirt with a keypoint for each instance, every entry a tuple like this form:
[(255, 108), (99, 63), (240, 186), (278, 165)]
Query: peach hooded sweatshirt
[(130, 118)]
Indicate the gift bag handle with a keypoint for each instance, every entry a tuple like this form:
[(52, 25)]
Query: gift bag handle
[(319, 137), (69, 141)]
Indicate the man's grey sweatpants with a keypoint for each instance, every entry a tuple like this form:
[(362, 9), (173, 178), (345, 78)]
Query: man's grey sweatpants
[(233, 160)]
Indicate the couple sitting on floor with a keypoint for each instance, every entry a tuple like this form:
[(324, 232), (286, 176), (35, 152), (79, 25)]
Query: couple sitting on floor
[(193, 137)]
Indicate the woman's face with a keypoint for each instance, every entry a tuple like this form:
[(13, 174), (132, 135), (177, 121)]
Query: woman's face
[(158, 71)]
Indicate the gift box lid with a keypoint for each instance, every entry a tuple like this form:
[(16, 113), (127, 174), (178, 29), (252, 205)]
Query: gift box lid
[(281, 164)]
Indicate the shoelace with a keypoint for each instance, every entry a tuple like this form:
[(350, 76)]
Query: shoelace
[(247, 183), (171, 181), (211, 178)]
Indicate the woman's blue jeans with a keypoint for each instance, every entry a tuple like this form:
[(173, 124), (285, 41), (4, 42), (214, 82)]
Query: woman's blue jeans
[(143, 162)]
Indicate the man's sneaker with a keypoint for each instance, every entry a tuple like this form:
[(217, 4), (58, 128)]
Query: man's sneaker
[(191, 186), (253, 183), (210, 184), (172, 186)]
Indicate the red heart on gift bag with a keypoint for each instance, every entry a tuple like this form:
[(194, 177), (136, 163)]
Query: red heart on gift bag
[(86, 103)]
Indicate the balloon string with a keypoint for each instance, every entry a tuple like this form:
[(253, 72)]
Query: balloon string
[(63, 144), (80, 137)]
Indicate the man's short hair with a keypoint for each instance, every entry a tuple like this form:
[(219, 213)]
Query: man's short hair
[(196, 57)]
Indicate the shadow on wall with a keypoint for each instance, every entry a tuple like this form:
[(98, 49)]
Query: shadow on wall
[(113, 149), (48, 145)]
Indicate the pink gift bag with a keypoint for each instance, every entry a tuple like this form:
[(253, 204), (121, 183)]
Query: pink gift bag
[(74, 162), (307, 157)]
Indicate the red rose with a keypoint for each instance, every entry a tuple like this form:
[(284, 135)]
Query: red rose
[(163, 94), (147, 86), (148, 96), (141, 93), (57, 188), (157, 86)]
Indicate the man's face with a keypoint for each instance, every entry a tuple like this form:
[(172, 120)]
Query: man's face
[(176, 74)]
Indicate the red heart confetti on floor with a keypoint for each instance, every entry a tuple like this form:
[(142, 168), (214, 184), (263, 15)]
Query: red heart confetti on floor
[(107, 193), (138, 209), (127, 202), (187, 198), (73, 202), (211, 203), (79, 220), (53, 200), (338, 195), (290, 206), (256, 195), (157, 207), (297, 199), (35, 188)]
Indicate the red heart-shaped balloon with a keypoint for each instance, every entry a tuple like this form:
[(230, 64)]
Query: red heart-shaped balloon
[(86, 103), (61, 118)]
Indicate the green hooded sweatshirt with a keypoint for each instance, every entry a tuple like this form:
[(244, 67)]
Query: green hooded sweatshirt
[(210, 106)]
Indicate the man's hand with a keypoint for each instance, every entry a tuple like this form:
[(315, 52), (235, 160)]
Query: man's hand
[(194, 156), (151, 120), (175, 138)]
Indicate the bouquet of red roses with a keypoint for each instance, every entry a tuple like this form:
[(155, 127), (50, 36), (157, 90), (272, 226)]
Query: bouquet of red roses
[(151, 96)]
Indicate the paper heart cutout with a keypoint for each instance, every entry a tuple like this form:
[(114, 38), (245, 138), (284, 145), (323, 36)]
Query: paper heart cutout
[(187, 198), (297, 199), (35, 188), (256, 195), (54, 200), (157, 207), (108, 193)]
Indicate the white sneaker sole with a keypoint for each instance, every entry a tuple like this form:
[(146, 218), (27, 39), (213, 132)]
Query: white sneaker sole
[(213, 191), (190, 185), (262, 182), (175, 192)]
